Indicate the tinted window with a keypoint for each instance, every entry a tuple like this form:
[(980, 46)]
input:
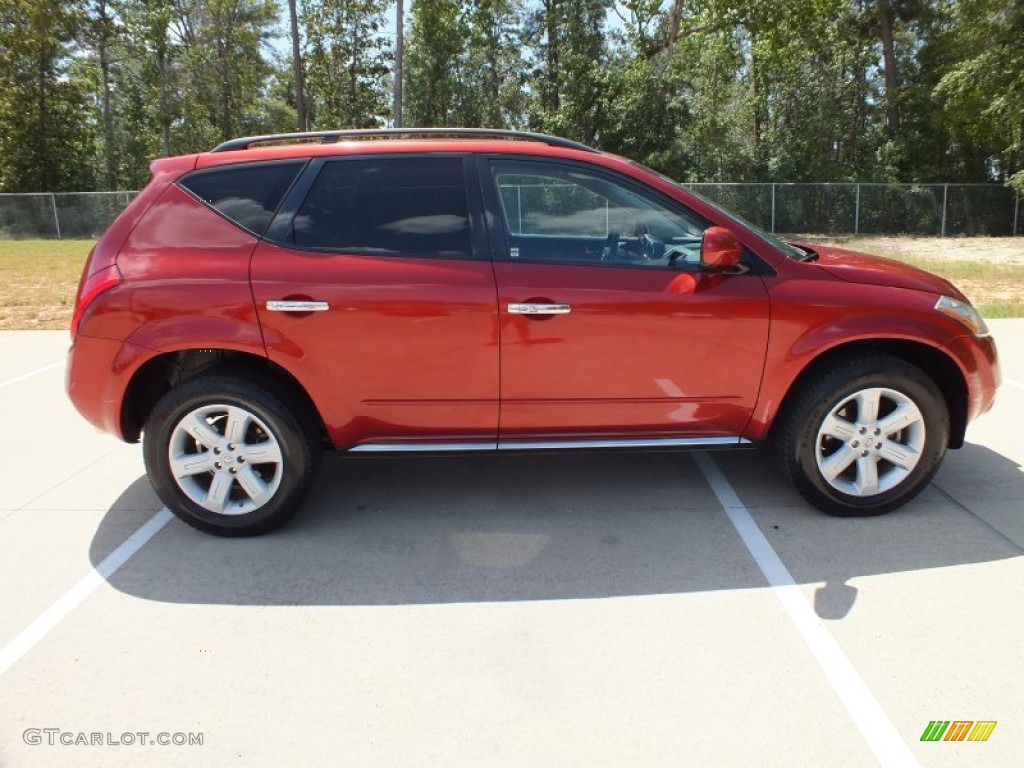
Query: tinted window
[(565, 213), (394, 205), (538, 204), (246, 194)]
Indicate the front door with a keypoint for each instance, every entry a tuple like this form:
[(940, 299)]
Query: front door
[(609, 329)]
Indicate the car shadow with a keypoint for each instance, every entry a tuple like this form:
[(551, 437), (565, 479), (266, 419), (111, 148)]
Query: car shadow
[(970, 513), (435, 530)]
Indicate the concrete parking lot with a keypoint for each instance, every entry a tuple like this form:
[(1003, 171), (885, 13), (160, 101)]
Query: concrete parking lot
[(568, 610)]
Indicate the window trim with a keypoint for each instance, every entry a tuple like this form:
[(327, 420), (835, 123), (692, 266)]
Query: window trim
[(303, 164), (281, 230)]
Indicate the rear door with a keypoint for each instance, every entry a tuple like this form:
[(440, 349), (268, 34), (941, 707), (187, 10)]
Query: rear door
[(609, 329), (374, 290)]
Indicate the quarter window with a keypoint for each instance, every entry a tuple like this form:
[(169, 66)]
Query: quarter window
[(414, 206), (247, 194)]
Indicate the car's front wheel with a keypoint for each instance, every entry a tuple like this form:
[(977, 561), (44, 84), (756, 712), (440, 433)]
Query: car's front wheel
[(865, 437), (228, 456)]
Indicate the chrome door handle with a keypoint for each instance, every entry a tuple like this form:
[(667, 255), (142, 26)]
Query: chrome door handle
[(298, 306), (539, 309)]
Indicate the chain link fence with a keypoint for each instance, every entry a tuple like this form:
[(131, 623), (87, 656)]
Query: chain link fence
[(60, 214), (876, 209)]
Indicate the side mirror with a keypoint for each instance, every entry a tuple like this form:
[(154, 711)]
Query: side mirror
[(719, 249)]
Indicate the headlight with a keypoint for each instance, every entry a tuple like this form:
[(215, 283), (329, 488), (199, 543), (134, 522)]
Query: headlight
[(964, 312)]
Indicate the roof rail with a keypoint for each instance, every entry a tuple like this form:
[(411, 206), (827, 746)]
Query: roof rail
[(330, 137)]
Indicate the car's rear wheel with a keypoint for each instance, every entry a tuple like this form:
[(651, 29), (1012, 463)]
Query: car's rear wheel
[(865, 437), (228, 457)]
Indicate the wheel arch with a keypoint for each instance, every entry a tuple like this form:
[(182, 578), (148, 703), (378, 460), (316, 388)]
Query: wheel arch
[(937, 365), (160, 374)]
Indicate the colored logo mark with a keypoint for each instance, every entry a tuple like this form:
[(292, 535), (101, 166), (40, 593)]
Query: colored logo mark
[(958, 730)]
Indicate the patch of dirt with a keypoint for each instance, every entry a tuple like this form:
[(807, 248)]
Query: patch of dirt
[(1001, 250)]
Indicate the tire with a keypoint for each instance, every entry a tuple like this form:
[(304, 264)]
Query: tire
[(849, 464), (243, 483)]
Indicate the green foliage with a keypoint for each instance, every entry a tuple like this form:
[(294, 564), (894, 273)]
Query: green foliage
[(437, 41), (704, 90), (44, 144), (646, 115), (493, 91), (222, 69), (1016, 182), (348, 63), (571, 67), (463, 65), (982, 94)]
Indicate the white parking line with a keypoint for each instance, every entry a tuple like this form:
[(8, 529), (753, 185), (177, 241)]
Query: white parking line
[(30, 374), (875, 726), (71, 599)]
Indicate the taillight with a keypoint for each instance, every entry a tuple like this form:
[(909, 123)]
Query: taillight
[(91, 287)]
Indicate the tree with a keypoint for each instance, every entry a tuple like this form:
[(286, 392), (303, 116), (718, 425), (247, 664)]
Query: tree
[(493, 90), (45, 142), (101, 34), (570, 76), (436, 45), (982, 92), (223, 68), (646, 85), (348, 63), (816, 90), (464, 65), (152, 72), (885, 27), (297, 72)]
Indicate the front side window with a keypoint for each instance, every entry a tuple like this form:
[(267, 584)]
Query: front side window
[(247, 194), (788, 248), (564, 213), (413, 206)]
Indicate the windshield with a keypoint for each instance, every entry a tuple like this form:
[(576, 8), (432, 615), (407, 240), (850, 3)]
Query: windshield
[(790, 250)]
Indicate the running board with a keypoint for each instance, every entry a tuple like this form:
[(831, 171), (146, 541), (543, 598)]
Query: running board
[(543, 445), (421, 447)]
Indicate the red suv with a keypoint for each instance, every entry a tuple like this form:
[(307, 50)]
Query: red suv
[(492, 290)]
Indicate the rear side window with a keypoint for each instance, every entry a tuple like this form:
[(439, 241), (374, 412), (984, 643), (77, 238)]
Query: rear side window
[(247, 194), (413, 206)]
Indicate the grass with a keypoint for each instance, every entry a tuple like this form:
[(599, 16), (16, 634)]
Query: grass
[(40, 277), (990, 271), (997, 290)]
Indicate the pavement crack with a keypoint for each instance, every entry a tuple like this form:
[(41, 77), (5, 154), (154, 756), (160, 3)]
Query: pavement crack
[(978, 519), (67, 479)]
